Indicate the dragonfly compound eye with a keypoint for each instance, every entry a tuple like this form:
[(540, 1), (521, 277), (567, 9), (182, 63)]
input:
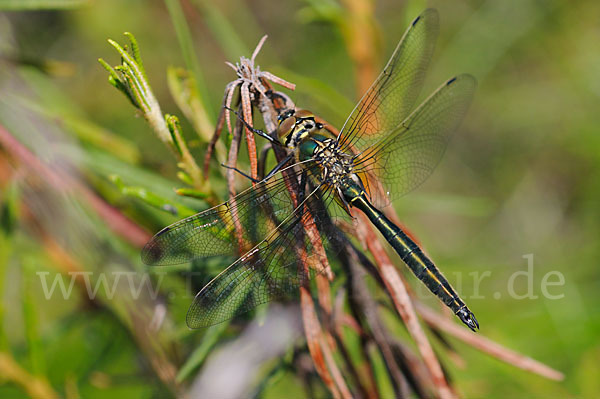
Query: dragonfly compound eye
[(286, 126), (285, 115)]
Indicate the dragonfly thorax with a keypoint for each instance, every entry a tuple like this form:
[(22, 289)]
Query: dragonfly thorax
[(334, 163)]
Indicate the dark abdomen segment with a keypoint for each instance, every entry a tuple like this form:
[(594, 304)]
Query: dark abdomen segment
[(417, 261)]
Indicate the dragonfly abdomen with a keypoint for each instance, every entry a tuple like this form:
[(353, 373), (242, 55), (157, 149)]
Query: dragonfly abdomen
[(411, 254)]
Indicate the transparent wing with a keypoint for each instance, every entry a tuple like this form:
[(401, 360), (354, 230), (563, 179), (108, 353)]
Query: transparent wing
[(273, 270), (212, 232), (407, 155), (392, 96)]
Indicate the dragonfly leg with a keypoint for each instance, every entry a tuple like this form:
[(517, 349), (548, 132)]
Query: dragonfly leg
[(301, 190), (241, 173), (262, 160), (279, 166), (261, 133), (268, 176)]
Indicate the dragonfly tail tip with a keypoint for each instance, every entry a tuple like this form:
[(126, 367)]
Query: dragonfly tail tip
[(467, 317)]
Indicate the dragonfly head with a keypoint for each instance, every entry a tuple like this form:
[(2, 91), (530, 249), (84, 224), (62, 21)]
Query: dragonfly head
[(295, 125)]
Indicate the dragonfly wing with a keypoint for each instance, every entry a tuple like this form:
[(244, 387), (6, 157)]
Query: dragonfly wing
[(407, 155), (392, 96), (272, 270), (212, 232)]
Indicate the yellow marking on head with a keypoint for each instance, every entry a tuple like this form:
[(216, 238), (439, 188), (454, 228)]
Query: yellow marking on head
[(303, 135)]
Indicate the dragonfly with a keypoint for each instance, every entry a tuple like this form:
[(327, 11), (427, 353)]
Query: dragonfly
[(386, 148)]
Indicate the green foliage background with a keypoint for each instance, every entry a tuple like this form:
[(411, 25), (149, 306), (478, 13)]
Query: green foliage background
[(520, 177)]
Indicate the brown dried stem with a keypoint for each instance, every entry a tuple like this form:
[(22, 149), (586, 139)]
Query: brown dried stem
[(231, 174), (488, 346), (312, 332), (365, 308), (250, 143), (252, 86)]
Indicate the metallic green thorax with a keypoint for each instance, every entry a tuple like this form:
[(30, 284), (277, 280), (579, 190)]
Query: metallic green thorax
[(311, 141)]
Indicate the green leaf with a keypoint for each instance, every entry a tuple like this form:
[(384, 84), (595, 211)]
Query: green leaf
[(223, 31), (187, 163), (382, 378), (130, 78), (105, 164), (86, 131), (134, 75), (6, 250), (184, 177), (23, 5), (191, 192), (175, 130), (34, 343), (151, 198), (135, 50), (184, 91), (113, 77), (189, 55), (321, 11), (9, 208)]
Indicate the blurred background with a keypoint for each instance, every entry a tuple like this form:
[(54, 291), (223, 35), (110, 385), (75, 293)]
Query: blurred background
[(511, 215)]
